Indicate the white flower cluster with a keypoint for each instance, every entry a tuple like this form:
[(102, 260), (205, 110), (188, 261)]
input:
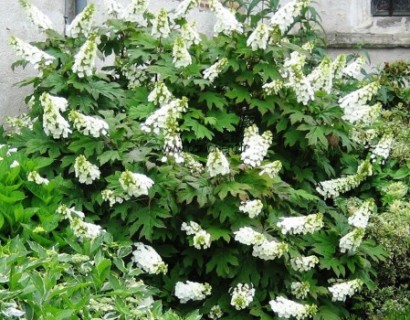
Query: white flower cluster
[(354, 104), (382, 148), (287, 309), (338, 65), (259, 37), (189, 34), (37, 18), (340, 291), (351, 241), (148, 259), (242, 295), (272, 87), (193, 166), (360, 217), (302, 264), (135, 74), (354, 69), (296, 80), (201, 239), (270, 249), (215, 312), (85, 171), (285, 16), (38, 58), (112, 197), (173, 147), (114, 9), (301, 225), (321, 78), (35, 177), (255, 146), (300, 289), (333, 188), (396, 190), (226, 22), (192, 291), (248, 236), (87, 125), (184, 7), (81, 229), (135, 184), (160, 95), (180, 53), (160, 25), (138, 7), (213, 71), (14, 125), (252, 207), (271, 169), (217, 163), (53, 122), (84, 60), (82, 23)]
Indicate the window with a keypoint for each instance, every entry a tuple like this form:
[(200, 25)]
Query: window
[(391, 7)]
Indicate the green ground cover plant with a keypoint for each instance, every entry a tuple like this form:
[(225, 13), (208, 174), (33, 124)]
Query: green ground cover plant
[(244, 167)]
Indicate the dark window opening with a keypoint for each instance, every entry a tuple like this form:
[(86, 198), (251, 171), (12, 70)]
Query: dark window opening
[(391, 7)]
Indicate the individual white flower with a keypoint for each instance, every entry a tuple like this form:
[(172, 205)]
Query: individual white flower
[(248, 236), (184, 7), (340, 291), (360, 217), (82, 23), (167, 115), (192, 291), (54, 123), (285, 16), (85, 230), (10, 151), (114, 9), (351, 241), (287, 309), (213, 71), (354, 104), (180, 54), (302, 264), (14, 164), (270, 249), (259, 37), (87, 125), (272, 87), (252, 207), (382, 148), (354, 69), (12, 310), (301, 225), (201, 239), (37, 18), (242, 295), (85, 171), (217, 164), (135, 184), (160, 94), (271, 169), (84, 60), (226, 22), (34, 176), (255, 146), (70, 213), (112, 197), (38, 58), (160, 25), (333, 188), (148, 259), (15, 125), (321, 78), (215, 313), (189, 34), (300, 289)]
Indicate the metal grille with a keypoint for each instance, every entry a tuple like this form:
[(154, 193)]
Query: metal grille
[(391, 7)]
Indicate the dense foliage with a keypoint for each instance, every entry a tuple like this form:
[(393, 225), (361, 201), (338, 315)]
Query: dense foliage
[(246, 165)]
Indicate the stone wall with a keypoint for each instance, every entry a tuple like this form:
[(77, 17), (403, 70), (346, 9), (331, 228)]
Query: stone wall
[(348, 23)]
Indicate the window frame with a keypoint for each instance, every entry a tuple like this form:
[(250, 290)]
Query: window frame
[(388, 13)]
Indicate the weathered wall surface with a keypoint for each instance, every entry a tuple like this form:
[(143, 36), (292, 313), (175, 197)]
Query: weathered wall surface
[(347, 24)]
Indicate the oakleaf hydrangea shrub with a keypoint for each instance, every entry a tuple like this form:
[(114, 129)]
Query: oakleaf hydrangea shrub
[(223, 157)]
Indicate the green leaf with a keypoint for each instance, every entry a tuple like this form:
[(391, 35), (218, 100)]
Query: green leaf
[(223, 261)]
